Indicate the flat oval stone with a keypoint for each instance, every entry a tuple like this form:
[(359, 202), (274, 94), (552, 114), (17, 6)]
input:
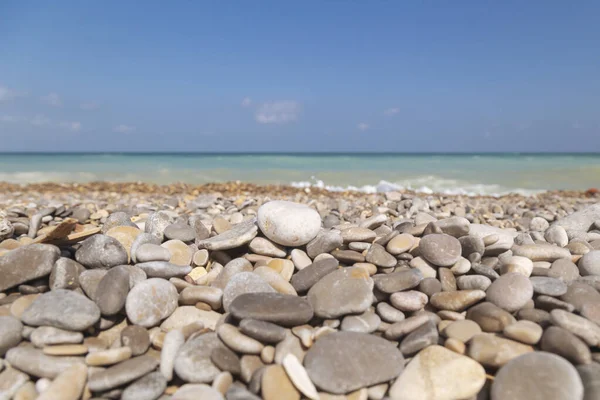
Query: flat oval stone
[(400, 244), (241, 283), (152, 252), (579, 326), (344, 291), (263, 331), (150, 386), (226, 360), (232, 268), (280, 309), (260, 245), (537, 376), (193, 362), (589, 264), (159, 293), (410, 300), (26, 263), (288, 223), (458, 300), (65, 274), (34, 362), (366, 322), (473, 282), (237, 341), (47, 336), (380, 257), (462, 330), (237, 236), (68, 385), (357, 234), (424, 336), (89, 281), (510, 292), (102, 252), (438, 373), (345, 361), (112, 291), (10, 333), (579, 294), (490, 317), (326, 241), (141, 239), (122, 373), (197, 392), (136, 338), (541, 252), (304, 279), (163, 269), (524, 331), (563, 343), (548, 286), (181, 254), (125, 235), (276, 385), (440, 249), (180, 231), (62, 309), (493, 351), (590, 376), (398, 281)]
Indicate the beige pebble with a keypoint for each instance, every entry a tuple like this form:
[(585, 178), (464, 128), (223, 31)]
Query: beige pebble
[(299, 377), (370, 268), (198, 276), (124, 235), (108, 357), (66, 350), (267, 355), (377, 392), (275, 280), (524, 331), (285, 268), (18, 307), (305, 334), (26, 392), (300, 259), (68, 385), (276, 385), (455, 345), (210, 295), (237, 341), (181, 254), (200, 258), (222, 382)]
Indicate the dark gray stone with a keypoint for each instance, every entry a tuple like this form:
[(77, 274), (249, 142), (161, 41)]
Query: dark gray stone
[(101, 252), (26, 263), (281, 309)]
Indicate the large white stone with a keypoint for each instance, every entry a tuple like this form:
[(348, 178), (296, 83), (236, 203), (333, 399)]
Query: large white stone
[(288, 223)]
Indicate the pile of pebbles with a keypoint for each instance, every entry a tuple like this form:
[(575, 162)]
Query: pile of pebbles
[(240, 296)]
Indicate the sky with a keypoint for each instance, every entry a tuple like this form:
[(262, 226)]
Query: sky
[(283, 76)]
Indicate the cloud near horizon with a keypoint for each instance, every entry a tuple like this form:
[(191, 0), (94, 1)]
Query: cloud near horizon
[(124, 128), (363, 126), (52, 99), (277, 112)]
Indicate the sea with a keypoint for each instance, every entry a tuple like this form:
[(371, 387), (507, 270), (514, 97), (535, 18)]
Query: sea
[(470, 174)]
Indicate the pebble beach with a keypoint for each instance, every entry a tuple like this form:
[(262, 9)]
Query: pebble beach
[(238, 291)]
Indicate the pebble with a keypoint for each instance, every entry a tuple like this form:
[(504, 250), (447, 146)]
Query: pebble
[(380, 257), (537, 376), (158, 292), (210, 295), (101, 252), (152, 252), (358, 234), (241, 283), (226, 360), (10, 333), (287, 223), (108, 357), (275, 280), (458, 300), (136, 338), (197, 391), (345, 361), (112, 291), (48, 336), (163, 269), (299, 377), (65, 274), (26, 263), (462, 330), (388, 313), (408, 301), (563, 343), (440, 249), (398, 281), (263, 331), (173, 342), (63, 309), (89, 281), (125, 235), (260, 245), (34, 362), (579, 326), (275, 384), (518, 264), (366, 322), (344, 291), (541, 252), (510, 292), (180, 252), (324, 242), (122, 373), (401, 243), (238, 235), (281, 309), (193, 362), (180, 231), (490, 317), (548, 286), (237, 341), (438, 373), (301, 259), (473, 282), (563, 269), (590, 375), (150, 386), (589, 264), (424, 336), (186, 315), (68, 385), (140, 240), (580, 294), (493, 351), (524, 331), (66, 350)]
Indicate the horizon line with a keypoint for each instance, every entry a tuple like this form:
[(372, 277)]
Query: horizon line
[(299, 153)]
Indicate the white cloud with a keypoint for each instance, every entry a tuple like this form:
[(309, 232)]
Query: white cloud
[(124, 128), (363, 126), (89, 106), (9, 118), (40, 120), (277, 112), (391, 111), (247, 102), (7, 94), (52, 99), (73, 126)]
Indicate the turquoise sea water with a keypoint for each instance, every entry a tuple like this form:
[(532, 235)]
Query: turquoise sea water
[(448, 173)]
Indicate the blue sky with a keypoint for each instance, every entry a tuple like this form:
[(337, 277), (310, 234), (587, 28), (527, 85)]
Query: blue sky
[(300, 76)]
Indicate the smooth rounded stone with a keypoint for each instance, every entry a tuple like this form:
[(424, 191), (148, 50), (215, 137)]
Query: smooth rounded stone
[(108, 357), (562, 342), (260, 245), (173, 341), (409, 301), (18, 307), (389, 314), (157, 222), (424, 336), (494, 351), (537, 376), (540, 317), (461, 267), (345, 361), (550, 303), (10, 333), (378, 256), (47, 336), (358, 234), (136, 338), (275, 384), (548, 286), (440, 249), (149, 387), (462, 330), (125, 235), (263, 331), (510, 292), (301, 260), (26, 263), (398, 281), (348, 256), (556, 235), (288, 223), (471, 244), (473, 282), (579, 326), (589, 264), (101, 252), (590, 376), (232, 268), (186, 315), (200, 258), (140, 240), (62, 309), (237, 341), (490, 317), (304, 279), (280, 309), (426, 269), (359, 246), (226, 360), (447, 280), (163, 269), (66, 350), (564, 269), (112, 291), (180, 231), (299, 377), (90, 279), (401, 243), (122, 373), (239, 235), (193, 362), (430, 286), (538, 224), (283, 267), (181, 254), (152, 252), (210, 295), (160, 293), (117, 219), (438, 373), (366, 322), (68, 385), (65, 274), (344, 291), (324, 242), (196, 392), (541, 252), (521, 265), (275, 280), (458, 300), (454, 226), (524, 331), (34, 362), (591, 311), (241, 283)]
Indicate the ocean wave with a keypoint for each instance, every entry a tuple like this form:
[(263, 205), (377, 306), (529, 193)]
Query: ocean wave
[(425, 184)]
